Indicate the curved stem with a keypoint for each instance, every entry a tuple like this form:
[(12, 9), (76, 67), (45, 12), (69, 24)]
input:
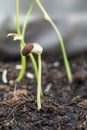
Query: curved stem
[(47, 17), (23, 59), (23, 62), (39, 83), (22, 43), (23, 34)]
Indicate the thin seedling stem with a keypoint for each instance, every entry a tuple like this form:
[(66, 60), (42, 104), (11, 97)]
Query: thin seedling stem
[(34, 65), (22, 43), (23, 59), (47, 17), (17, 17), (26, 19), (39, 83), (23, 62)]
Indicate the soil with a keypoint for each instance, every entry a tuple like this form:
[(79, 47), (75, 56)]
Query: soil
[(64, 104)]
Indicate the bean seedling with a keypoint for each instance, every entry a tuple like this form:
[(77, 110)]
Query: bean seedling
[(47, 17), (20, 36), (37, 49), (22, 43), (29, 49)]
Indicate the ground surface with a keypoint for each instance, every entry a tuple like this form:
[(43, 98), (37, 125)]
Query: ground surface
[(64, 105)]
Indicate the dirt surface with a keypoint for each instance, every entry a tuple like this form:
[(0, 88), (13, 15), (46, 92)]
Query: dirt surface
[(64, 105)]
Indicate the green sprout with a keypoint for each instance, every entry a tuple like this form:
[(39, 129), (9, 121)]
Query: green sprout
[(29, 49), (20, 36), (37, 49), (66, 62), (22, 43)]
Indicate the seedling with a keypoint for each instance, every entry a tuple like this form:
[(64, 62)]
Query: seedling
[(66, 62), (22, 43), (37, 49), (20, 36), (29, 49)]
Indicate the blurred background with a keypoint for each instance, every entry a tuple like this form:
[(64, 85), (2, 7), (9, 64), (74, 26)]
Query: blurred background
[(70, 16)]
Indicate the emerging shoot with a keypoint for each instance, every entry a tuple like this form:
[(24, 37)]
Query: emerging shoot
[(37, 49)]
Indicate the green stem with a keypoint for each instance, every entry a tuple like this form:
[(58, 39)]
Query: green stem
[(17, 17), (23, 59), (23, 34), (22, 43), (26, 19), (23, 62), (34, 65), (39, 83), (35, 69), (47, 17)]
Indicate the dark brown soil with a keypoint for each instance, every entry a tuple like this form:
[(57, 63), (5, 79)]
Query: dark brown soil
[(64, 106)]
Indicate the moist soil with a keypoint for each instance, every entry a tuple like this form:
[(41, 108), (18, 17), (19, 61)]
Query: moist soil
[(64, 104)]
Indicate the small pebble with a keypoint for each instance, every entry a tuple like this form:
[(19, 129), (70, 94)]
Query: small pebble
[(56, 64), (48, 88), (29, 75), (18, 67), (11, 82)]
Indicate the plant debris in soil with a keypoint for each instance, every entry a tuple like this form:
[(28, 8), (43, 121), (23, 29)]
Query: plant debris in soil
[(64, 105)]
